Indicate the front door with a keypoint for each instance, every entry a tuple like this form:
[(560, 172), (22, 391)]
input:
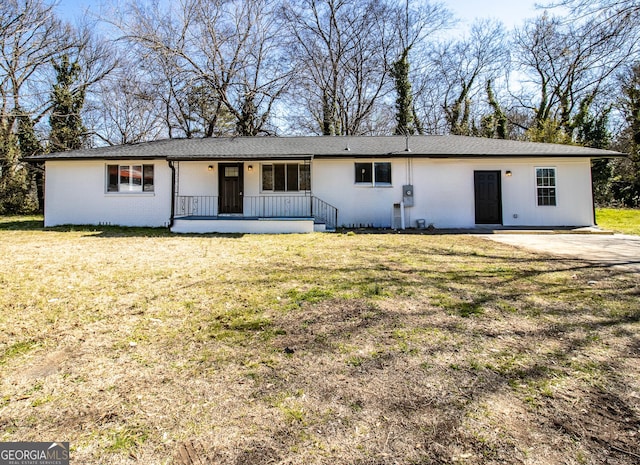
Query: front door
[(488, 194), (231, 183)]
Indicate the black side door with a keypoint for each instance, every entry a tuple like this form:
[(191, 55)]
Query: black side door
[(488, 197)]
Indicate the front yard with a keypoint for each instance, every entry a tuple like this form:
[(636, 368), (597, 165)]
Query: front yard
[(139, 346)]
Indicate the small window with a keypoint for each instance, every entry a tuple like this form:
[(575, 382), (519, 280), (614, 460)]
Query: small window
[(364, 173), (112, 178), (130, 178), (267, 177), (382, 173), (231, 171), (546, 186), (286, 177), (147, 175), (378, 173)]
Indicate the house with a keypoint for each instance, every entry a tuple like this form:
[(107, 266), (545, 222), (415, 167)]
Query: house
[(302, 184)]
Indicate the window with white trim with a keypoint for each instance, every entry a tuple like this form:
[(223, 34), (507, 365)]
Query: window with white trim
[(130, 178), (378, 173), (546, 186), (286, 177)]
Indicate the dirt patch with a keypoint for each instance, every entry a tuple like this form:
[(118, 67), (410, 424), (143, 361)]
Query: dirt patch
[(51, 363)]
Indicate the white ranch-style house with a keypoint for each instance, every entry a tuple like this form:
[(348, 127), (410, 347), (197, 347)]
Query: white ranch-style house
[(302, 184)]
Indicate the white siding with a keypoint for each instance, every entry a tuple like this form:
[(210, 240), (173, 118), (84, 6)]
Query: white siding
[(573, 194), (194, 178), (358, 205), (75, 193), (444, 192)]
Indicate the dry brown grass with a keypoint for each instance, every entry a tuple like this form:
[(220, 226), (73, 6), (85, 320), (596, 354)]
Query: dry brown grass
[(142, 347)]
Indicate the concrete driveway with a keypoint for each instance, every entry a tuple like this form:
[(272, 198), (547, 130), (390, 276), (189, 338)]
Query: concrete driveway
[(610, 250)]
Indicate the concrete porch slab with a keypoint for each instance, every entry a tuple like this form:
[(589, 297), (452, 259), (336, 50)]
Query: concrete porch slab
[(225, 225)]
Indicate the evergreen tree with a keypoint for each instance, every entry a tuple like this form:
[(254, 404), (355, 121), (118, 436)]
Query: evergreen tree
[(16, 194), (625, 184), (593, 132), (495, 124), (404, 99), (246, 124), (29, 145), (549, 131), (27, 139), (67, 130)]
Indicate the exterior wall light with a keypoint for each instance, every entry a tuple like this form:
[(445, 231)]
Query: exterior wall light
[(508, 173), (210, 167), (250, 168)]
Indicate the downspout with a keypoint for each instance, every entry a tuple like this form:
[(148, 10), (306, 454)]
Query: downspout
[(593, 192), (173, 192), (311, 188)]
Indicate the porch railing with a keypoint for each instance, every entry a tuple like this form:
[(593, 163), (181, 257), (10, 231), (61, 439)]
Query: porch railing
[(323, 212), (196, 205), (272, 206)]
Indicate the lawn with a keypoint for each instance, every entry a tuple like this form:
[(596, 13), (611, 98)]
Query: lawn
[(139, 346), (623, 220)]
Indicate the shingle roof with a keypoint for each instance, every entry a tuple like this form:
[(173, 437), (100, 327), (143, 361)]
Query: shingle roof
[(256, 148)]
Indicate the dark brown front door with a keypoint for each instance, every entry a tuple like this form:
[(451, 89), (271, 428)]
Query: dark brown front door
[(488, 195), (231, 182)]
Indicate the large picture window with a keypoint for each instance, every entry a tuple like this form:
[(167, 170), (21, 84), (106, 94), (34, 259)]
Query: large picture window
[(546, 186), (378, 173), (286, 177), (130, 178)]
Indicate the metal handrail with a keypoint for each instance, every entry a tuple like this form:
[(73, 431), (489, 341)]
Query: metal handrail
[(324, 212), (196, 205), (264, 206)]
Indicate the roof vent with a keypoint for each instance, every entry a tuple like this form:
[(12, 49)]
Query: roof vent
[(406, 143)]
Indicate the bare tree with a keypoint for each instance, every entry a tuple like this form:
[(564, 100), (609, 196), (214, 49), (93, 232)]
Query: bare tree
[(31, 38), (568, 66), (124, 108), (225, 51), (622, 11), (414, 23), (457, 74), (342, 53)]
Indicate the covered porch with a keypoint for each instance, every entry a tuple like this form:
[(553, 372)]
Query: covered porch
[(248, 196), (257, 214)]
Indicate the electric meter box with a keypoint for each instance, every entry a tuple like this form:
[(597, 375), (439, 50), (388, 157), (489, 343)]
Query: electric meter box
[(407, 195)]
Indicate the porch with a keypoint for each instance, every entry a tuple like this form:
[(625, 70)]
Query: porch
[(257, 214)]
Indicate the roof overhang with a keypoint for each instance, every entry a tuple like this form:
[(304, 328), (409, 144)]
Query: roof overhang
[(235, 157), (310, 147)]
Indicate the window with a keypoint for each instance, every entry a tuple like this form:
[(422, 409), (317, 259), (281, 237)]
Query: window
[(231, 171), (286, 177), (129, 178), (364, 173), (546, 186), (378, 173)]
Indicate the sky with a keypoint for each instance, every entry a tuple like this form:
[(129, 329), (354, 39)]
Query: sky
[(510, 12)]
